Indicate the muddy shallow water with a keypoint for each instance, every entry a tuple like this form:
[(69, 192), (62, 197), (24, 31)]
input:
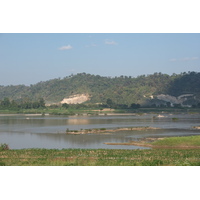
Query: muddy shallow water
[(20, 131)]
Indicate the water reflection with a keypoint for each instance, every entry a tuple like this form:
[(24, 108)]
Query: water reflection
[(76, 121), (49, 131)]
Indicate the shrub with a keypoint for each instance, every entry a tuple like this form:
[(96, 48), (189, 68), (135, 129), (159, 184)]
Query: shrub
[(4, 147)]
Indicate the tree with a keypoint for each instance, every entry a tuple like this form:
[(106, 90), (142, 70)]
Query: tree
[(65, 105), (109, 102), (135, 106), (5, 102), (41, 103)]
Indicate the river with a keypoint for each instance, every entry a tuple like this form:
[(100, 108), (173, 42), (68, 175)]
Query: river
[(29, 131)]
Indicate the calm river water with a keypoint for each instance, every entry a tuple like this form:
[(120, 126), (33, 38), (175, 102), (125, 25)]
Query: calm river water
[(24, 131)]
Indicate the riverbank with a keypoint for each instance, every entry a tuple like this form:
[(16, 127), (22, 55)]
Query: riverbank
[(4, 115), (94, 111), (172, 151), (182, 142)]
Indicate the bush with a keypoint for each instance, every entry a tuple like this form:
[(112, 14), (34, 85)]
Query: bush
[(4, 147)]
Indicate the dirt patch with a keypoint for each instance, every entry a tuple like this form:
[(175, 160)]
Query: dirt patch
[(108, 109)]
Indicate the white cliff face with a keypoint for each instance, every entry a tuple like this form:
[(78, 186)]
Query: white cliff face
[(76, 99), (174, 100)]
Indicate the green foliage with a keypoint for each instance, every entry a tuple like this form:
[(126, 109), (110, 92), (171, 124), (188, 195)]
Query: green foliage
[(109, 102), (135, 106), (2, 164), (100, 157), (174, 119), (65, 105), (117, 91), (152, 162), (25, 103), (4, 147), (179, 141)]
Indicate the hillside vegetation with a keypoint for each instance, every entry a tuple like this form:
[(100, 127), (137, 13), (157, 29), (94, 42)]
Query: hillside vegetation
[(120, 90)]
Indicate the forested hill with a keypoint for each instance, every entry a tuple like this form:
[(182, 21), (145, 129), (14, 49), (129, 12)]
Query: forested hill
[(121, 90)]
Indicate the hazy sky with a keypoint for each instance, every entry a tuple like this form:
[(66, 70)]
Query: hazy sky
[(29, 58)]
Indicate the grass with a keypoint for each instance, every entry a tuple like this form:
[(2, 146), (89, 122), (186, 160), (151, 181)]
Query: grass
[(162, 156), (182, 142), (168, 153), (100, 157), (188, 141), (4, 147)]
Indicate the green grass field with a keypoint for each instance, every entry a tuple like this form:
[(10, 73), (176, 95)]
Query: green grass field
[(189, 141), (100, 157)]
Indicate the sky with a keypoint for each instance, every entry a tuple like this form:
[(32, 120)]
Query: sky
[(28, 58)]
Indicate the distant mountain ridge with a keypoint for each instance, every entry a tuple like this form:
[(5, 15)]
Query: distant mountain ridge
[(121, 90)]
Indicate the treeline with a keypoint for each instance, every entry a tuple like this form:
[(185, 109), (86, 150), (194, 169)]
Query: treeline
[(121, 90), (6, 103), (109, 104)]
